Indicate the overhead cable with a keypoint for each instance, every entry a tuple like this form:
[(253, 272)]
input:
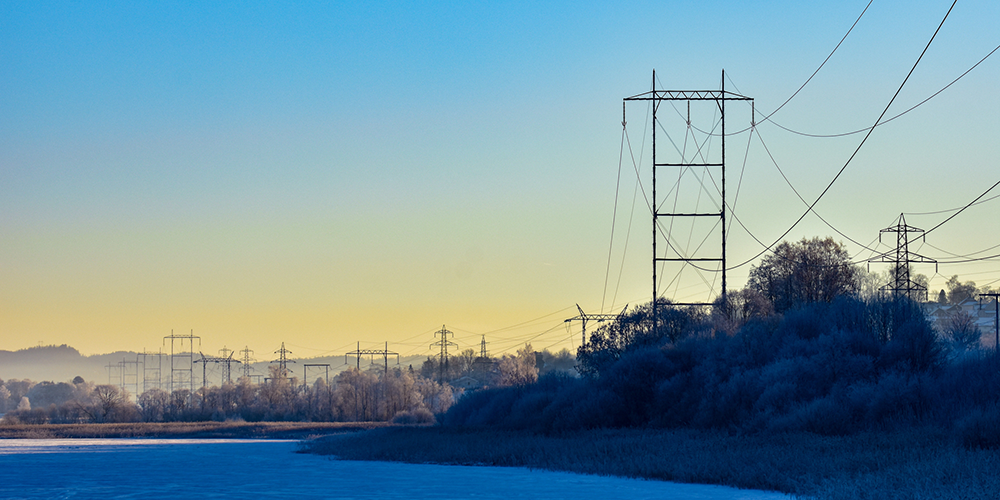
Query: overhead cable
[(865, 139), (915, 106), (962, 209)]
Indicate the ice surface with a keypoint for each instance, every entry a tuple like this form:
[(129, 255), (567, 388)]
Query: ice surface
[(165, 468)]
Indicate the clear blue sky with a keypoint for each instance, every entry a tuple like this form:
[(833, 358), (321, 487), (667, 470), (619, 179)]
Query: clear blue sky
[(322, 174)]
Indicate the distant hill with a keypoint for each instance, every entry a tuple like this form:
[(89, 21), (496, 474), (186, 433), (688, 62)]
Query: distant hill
[(62, 363), (53, 363)]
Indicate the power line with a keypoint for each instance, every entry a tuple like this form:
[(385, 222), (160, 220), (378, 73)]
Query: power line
[(991, 198), (967, 256), (963, 208), (851, 158), (768, 117), (915, 106), (614, 212), (811, 207)]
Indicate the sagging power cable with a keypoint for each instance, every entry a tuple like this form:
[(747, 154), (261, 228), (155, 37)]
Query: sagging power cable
[(854, 154)]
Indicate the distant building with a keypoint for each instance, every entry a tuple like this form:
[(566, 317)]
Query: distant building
[(983, 314)]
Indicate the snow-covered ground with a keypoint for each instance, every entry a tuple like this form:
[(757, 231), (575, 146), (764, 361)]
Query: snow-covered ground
[(247, 469)]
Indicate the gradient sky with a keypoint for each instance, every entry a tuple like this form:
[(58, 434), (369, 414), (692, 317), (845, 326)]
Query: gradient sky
[(327, 173)]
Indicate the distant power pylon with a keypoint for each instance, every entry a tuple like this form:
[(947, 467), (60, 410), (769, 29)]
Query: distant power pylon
[(226, 361), (900, 284), (385, 353), (182, 362), (443, 343), (305, 371), (226, 355), (283, 361), (584, 317), (132, 374), (151, 372), (482, 364), (111, 366), (247, 360)]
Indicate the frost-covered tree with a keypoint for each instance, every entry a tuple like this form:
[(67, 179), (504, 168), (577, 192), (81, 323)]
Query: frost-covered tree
[(809, 271), (4, 397), (961, 331), (738, 307), (110, 403), (636, 329), (153, 404), (519, 369)]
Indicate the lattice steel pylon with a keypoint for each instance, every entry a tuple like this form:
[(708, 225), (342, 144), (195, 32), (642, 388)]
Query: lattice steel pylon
[(182, 362), (132, 374), (584, 317), (684, 163), (247, 360), (151, 373), (901, 257), (226, 355), (443, 344), (385, 353), (283, 361)]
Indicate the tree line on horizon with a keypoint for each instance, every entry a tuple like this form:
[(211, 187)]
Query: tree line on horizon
[(402, 395)]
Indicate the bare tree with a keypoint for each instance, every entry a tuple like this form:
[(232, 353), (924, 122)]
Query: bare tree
[(961, 330), (739, 306), (795, 274), (520, 369)]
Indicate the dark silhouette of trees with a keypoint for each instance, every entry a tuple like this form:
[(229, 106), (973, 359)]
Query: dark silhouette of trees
[(958, 291), (830, 368), (636, 329), (961, 330), (729, 314), (796, 274)]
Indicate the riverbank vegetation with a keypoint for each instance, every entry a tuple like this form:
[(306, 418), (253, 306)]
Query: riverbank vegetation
[(185, 430), (916, 463)]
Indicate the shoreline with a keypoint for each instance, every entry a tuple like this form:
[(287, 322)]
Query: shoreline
[(187, 430), (872, 465)]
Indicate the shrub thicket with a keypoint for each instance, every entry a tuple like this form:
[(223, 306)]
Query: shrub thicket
[(829, 368)]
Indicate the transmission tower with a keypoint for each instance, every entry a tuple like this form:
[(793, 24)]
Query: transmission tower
[(226, 355), (443, 343), (247, 360), (182, 362), (132, 374), (483, 363), (225, 360), (205, 360), (283, 361), (996, 319), (689, 163), (584, 317), (900, 284), (305, 371), (151, 372), (112, 366), (385, 353)]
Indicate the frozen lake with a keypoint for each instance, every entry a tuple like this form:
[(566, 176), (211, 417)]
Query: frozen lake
[(163, 468)]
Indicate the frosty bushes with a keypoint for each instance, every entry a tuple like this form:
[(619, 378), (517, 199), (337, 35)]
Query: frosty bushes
[(830, 368), (354, 396)]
